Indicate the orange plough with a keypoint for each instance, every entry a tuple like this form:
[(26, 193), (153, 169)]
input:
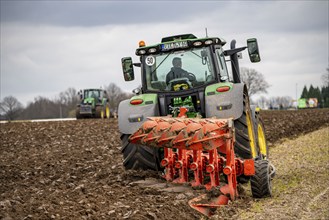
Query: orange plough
[(199, 152)]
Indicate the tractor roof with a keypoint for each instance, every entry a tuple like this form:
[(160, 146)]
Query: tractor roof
[(178, 37), (178, 42), (91, 89)]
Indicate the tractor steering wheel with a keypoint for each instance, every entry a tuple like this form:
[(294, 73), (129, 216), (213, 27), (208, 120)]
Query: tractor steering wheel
[(179, 84)]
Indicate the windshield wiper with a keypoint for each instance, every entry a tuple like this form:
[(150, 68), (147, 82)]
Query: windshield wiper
[(160, 64), (196, 54)]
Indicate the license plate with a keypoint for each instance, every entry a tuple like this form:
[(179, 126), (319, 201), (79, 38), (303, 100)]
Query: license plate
[(85, 109), (174, 45)]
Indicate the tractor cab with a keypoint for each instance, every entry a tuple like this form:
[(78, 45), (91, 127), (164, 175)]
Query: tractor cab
[(182, 67), (179, 63), (91, 96), (92, 93)]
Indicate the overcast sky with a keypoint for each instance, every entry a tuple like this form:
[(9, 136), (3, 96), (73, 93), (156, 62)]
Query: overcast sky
[(49, 46)]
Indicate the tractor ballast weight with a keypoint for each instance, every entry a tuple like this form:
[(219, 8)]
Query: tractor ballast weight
[(195, 123), (93, 104)]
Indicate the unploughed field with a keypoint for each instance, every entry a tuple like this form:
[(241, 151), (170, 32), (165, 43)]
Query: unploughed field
[(73, 170)]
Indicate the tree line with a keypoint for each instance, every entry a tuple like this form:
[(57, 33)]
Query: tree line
[(284, 102), (322, 94), (63, 106)]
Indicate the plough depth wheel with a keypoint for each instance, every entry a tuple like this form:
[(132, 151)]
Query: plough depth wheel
[(261, 182)]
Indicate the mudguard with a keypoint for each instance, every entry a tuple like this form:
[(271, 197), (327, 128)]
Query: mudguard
[(226, 102), (131, 117)]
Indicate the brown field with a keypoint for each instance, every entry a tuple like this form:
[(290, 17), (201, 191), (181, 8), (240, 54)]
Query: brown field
[(73, 170)]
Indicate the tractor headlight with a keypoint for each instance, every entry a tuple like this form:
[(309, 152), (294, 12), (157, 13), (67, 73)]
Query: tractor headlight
[(141, 52), (197, 43), (152, 50), (208, 42)]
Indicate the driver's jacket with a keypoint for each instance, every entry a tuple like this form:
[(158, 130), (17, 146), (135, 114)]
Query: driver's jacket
[(176, 73)]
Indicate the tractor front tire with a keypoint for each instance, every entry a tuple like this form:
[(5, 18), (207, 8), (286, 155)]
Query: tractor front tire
[(261, 185), (138, 156)]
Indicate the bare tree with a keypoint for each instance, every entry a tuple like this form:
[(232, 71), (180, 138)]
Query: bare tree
[(254, 80), (325, 78), (69, 96), (67, 101), (263, 102), (280, 102), (116, 95), (41, 108), (10, 107), (285, 102)]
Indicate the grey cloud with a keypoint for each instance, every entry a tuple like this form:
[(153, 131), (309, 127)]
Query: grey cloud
[(266, 16), (94, 13), (277, 16)]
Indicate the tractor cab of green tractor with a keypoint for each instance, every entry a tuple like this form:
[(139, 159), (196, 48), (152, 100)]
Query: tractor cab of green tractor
[(92, 93), (183, 66), (92, 96), (179, 63)]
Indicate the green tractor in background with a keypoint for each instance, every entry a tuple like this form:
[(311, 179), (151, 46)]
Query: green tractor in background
[(93, 104)]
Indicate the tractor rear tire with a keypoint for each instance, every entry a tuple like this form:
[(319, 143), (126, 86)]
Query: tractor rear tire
[(245, 146), (261, 182), (138, 156), (98, 112), (107, 112)]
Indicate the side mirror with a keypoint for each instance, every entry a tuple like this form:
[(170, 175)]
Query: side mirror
[(80, 94), (127, 68), (253, 50)]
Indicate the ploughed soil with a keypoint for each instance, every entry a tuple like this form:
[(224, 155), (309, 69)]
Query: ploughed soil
[(73, 170)]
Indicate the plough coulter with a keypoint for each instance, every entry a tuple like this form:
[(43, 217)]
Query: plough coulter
[(193, 119)]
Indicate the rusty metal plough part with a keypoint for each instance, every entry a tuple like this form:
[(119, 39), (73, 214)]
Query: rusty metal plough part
[(204, 147)]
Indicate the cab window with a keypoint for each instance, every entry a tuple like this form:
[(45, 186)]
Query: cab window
[(179, 70), (224, 75)]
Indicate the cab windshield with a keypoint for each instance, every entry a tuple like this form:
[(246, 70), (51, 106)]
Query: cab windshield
[(92, 93), (178, 70)]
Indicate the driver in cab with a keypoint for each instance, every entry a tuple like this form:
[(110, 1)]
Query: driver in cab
[(177, 72)]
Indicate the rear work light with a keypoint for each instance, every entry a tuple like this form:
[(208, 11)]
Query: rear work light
[(136, 101), (223, 89)]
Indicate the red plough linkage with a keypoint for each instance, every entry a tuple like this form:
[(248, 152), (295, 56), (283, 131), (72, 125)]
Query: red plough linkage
[(197, 151)]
